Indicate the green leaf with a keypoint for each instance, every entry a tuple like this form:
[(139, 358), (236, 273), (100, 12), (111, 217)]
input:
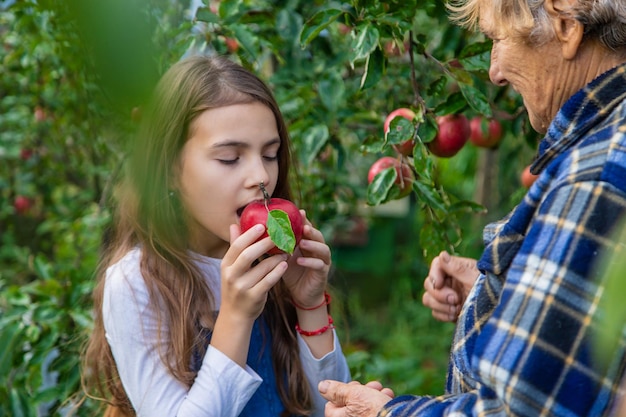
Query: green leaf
[(42, 267), (378, 190), (400, 130), (9, 338), (427, 131), (430, 196), (204, 14), (280, 231), (229, 9), (374, 69), (19, 404), (331, 90), (470, 206), (314, 140), (476, 99), (365, 43), (316, 24), (611, 314), (247, 39), (453, 104), (475, 48)]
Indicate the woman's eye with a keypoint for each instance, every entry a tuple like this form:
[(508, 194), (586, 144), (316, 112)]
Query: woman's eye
[(271, 157), (228, 161)]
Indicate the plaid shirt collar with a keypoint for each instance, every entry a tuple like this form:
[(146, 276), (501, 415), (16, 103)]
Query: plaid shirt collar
[(581, 112)]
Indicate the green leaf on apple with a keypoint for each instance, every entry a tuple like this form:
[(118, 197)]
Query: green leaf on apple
[(428, 129), (280, 231), (378, 189), (400, 130)]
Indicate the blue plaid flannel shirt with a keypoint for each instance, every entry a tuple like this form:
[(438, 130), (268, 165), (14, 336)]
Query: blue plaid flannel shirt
[(524, 339)]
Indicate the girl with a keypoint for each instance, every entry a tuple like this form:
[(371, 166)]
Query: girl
[(191, 319)]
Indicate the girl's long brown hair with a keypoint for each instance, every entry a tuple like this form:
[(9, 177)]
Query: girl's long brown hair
[(146, 216)]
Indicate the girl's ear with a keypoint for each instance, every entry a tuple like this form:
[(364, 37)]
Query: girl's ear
[(568, 30), (174, 176)]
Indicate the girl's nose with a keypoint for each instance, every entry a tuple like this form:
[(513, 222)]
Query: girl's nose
[(257, 174)]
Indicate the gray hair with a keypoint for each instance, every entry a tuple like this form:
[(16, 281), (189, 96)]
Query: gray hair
[(604, 20)]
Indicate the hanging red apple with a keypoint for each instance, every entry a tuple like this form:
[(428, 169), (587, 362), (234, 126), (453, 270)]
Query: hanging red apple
[(454, 131), (22, 204), (404, 178), (485, 133), (405, 148)]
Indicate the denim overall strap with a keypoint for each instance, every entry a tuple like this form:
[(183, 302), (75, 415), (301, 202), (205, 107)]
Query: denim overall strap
[(265, 402)]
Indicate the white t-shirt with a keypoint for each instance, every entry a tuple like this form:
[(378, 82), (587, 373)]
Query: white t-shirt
[(221, 389)]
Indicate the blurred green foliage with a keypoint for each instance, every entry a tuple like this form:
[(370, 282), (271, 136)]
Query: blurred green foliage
[(74, 72)]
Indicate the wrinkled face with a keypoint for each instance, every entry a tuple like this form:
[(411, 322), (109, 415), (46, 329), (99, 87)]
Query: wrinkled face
[(535, 72), (231, 150)]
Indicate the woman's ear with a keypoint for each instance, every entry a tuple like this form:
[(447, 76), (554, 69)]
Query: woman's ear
[(568, 30)]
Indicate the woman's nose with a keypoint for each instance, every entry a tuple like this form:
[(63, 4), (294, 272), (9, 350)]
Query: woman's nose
[(495, 75)]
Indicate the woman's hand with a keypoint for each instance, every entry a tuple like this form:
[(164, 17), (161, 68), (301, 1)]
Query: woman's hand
[(447, 285), (307, 274), (354, 399)]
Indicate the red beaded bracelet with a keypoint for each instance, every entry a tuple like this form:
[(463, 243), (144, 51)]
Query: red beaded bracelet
[(318, 331), (324, 303)]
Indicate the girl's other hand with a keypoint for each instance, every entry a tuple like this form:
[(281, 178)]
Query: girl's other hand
[(307, 275)]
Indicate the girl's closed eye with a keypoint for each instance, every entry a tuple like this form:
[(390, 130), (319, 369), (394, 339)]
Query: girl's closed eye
[(228, 161)]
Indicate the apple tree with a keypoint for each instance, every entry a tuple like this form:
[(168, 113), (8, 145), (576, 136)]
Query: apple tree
[(75, 74)]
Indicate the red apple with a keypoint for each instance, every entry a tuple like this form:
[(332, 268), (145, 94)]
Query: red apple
[(404, 178), (454, 131), (344, 29), (39, 114), (21, 204), (257, 213), (527, 178), (232, 45), (485, 133), (26, 154), (405, 148)]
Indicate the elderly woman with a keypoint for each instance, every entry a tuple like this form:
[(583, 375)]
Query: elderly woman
[(523, 343)]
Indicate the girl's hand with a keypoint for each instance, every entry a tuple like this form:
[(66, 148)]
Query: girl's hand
[(307, 275), (245, 280)]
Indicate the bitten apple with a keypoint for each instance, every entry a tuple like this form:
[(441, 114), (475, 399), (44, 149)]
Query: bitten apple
[(405, 148), (404, 178), (454, 131), (257, 213), (485, 133)]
